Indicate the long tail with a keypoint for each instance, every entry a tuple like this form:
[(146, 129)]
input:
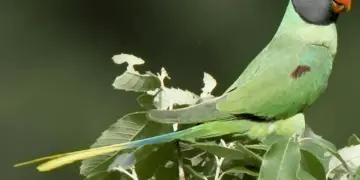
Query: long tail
[(58, 160), (207, 130), (200, 113)]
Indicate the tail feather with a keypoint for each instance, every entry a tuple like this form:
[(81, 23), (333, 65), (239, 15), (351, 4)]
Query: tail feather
[(203, 112), (68, 159), (211, 129), (58, 160), (63, 154)]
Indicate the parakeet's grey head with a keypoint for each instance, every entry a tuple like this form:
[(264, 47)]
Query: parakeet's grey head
[(321, 12)]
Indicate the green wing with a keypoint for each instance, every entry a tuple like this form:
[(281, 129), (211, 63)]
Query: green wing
[(275, 89)]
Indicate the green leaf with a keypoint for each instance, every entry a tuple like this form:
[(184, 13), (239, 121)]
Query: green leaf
[(312, 165), (146, 101), (167, 173), (304, 175), (351, 155), (241, 170), (262, 147), (130, 81), (309, 133), (167, 98), (199, 161), (127, 160), (147, 167), (194, 160), (109, 175), (250, 154), (272, 138), (194, 174), (130, 127), (240, 154), (332, 149), (130, 59), (281, 161), (353, 140), (357, 173), (147, 160), (209, 85), (319, 148), (98, 176)]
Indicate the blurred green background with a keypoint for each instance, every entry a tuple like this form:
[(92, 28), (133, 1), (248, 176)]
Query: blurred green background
[(56, 69)]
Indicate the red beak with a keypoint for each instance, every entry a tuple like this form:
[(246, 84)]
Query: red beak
[(340, 6)]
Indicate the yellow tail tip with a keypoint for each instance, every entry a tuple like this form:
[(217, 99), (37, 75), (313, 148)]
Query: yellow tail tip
[(56, 161)]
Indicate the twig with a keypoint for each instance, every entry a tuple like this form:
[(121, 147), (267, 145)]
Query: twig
[(180, 158), (180, 161), (219, 162), (132, 175)]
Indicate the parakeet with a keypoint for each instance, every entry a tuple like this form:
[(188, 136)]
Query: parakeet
[(287, 76)]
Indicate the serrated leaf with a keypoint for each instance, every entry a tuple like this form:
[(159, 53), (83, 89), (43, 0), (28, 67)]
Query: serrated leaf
[(199, 161), (281, 161), (167, 173), (147, 167), (220, 151), (257, 147), (353, 140), (272, 138), (195, 160), (304, 175), (146, 101), (194, 174), (250, 154), (317, 150), (128, 160), (209, 85), (351, 156), (357, 174), (147, 159), (325, 145), (207, 167), (129, 81), (241, 170), (131, 60), (105, 175), (130, 127), (312, 165), (309, 133), (167, 98)]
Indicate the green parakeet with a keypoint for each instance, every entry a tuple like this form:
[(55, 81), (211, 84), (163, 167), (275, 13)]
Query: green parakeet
[(287, 76)]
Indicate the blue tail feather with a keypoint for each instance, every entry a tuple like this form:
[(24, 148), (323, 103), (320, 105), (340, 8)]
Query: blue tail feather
[(154, 140)]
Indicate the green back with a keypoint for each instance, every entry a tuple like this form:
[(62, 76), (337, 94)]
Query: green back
[(266, 87)]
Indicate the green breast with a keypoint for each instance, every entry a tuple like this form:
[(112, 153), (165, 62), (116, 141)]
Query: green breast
[(267, 87)]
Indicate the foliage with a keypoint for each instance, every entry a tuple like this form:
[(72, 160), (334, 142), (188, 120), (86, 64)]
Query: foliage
[(281, 150), (303, 156)]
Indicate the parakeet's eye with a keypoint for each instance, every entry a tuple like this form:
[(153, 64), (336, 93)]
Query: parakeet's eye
[(339, 6)]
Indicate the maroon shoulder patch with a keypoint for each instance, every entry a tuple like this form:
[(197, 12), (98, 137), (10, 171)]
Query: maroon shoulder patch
[(300, 70)]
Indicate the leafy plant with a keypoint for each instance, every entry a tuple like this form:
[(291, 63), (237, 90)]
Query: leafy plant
[(281, 150)]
